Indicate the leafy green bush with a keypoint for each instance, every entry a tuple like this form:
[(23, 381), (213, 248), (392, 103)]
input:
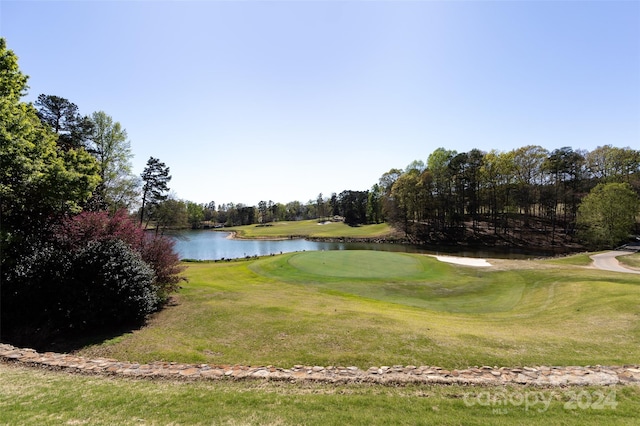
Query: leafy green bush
[(55, 292), (608, 214), (109, 284), (31, 308), (97, 271)]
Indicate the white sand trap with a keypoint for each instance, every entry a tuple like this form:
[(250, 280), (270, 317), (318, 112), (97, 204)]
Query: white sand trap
[(466, 261)]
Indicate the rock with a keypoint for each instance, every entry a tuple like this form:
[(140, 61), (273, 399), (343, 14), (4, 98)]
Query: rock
[(541, 375), (260, 373), (189, 372), (212, 373)]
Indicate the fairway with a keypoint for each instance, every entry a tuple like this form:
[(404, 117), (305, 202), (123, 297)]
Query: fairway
[(356, 264), (368, 308), (314, 229)]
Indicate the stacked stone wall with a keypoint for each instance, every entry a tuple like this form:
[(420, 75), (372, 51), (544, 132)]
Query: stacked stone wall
[(397, 374)]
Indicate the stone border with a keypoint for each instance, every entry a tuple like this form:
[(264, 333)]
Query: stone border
[(487, 376)]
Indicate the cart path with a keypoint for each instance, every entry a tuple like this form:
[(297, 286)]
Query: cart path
[(608, 262)]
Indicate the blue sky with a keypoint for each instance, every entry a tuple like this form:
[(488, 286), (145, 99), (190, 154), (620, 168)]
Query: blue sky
[(282, 100)]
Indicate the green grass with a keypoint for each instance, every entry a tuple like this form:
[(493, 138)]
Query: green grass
[(311, 228), (382, 308), (37, 397), (631, 260), (356, 264), (399, 278), (360, 308), (582, 259)]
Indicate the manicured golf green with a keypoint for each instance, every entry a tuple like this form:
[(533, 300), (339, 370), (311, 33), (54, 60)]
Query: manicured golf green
[(401, 278), (356, 264)]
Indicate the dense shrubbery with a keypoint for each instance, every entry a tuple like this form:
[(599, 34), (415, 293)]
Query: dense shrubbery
[(99, 271), (159, 254), (56, 292), (607, 214), (110, 284), (157, 251)]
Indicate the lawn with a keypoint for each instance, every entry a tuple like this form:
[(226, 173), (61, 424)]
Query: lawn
[(362, 308), (313, 229), (367, 308)]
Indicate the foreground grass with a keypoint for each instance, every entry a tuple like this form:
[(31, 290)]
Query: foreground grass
[(311, 228), (36, 397), (315, 308)]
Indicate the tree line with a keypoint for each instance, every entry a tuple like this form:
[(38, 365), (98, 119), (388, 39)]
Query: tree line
[(524, 196), (74, 260), (354, 207), (513, 193)]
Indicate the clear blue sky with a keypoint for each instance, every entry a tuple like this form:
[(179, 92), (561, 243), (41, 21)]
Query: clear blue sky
[(281, 100)]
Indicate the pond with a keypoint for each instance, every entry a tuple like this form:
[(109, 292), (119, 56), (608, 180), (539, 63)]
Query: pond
[(216, 245)]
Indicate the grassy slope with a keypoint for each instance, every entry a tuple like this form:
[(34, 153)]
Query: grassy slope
[(292, 309), (632, 260), (35, 397), (268, 311), (311, 228)]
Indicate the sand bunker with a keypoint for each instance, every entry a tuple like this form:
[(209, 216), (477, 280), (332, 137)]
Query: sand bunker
[(466, 261)]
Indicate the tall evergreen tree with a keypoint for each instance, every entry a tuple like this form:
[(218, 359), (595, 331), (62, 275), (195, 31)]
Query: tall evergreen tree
[(73, 129), (156, 178)]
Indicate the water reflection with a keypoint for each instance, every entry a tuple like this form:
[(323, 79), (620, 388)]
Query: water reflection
[(215, 245)]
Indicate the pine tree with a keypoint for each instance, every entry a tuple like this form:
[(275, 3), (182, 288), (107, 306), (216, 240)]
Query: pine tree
[(156, 178)]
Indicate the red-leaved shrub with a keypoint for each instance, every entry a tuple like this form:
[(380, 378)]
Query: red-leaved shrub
[(78, 230), (156, 250)]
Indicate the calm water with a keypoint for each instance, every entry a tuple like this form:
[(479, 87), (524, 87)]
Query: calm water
[(214, 245)]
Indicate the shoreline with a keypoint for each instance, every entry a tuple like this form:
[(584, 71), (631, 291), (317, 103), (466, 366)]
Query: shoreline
[(447, 248), (234, 235)]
